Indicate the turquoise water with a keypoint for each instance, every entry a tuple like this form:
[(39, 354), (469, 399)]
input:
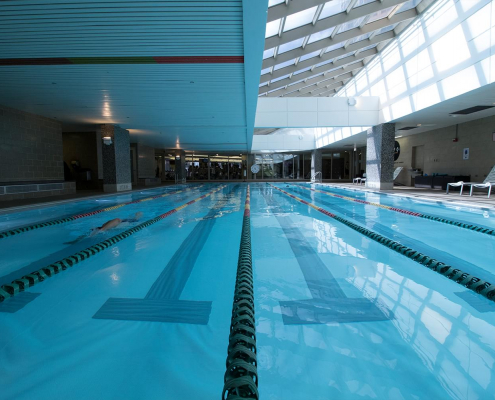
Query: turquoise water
[(337, 315)]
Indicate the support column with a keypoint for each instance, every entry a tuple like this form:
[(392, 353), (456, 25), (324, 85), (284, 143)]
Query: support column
[(380, 157), (116, 159), (180, 164), (316, 161)]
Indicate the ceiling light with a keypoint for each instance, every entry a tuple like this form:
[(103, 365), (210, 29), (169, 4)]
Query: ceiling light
[(419, 125), (397, 137)]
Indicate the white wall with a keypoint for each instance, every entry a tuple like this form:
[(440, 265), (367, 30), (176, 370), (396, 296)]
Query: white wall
[(449, 50), (443, 156), (309, 112), (292, 139)]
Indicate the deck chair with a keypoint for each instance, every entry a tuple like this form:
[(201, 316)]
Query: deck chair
[(487, 183), (359, 180)]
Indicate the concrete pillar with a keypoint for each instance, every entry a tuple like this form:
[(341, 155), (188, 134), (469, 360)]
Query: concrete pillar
[(180, 164), (116, 159), (316, 161), (380, 157)]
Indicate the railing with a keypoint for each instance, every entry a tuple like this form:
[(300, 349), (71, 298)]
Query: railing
[(316, 177), (178, 180)]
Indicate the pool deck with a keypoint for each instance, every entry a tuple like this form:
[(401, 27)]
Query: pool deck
[(478, 199)]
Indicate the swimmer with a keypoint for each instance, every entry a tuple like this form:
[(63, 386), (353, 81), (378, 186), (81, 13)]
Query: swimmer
[(113, 223)]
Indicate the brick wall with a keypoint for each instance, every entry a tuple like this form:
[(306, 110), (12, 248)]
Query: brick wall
[(30, 147), (443, 156)]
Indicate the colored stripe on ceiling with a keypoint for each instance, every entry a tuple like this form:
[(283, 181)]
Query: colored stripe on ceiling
[(125, 60)]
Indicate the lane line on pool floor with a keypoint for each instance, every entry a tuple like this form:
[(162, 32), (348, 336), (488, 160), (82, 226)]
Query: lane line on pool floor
[(241, 377), (472, 227), (18, 231), (29, 280), (469, 281), (162, 302)]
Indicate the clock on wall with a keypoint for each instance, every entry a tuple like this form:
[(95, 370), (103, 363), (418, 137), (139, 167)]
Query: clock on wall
[(255, 168)]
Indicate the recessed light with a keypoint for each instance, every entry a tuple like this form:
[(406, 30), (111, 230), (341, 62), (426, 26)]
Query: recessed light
[(418, 125), (397, 137)]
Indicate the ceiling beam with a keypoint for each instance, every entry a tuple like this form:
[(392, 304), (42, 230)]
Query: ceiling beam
[(325, 56), (322, 68), (321, 85), (284, 88), (283, 10), (325, 92), (334, 20)]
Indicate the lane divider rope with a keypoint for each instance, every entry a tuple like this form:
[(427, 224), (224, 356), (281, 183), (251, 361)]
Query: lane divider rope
[(25, 229), (29, 280), (471, 227), (469, 281), (241, 377)]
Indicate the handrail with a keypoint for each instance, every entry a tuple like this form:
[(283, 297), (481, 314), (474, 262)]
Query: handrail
[(316, 177)]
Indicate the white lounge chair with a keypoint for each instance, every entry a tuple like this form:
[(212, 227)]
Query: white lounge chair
[(487, 183), (363, 179), (359, 180)]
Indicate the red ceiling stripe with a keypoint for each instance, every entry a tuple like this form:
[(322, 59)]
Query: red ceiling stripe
[(122, 60), (200, 60)]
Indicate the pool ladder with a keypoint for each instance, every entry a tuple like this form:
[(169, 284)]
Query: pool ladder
[(316, 177)]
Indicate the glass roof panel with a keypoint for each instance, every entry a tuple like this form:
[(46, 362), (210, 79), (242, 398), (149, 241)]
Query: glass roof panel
[(272, 28), (360, 3), (350, 25), (343, 56), (309, 55), (360, 37), (321, 35), (386, 29), (279, 79), (284, 48), (333, 8), (380, 14), (408, 5), (323, 63), (302, 70), (265, 71), (369, 47), (268, 53), (284, 64), (272, 3), (263, 84), (335, 47), (299, 19)]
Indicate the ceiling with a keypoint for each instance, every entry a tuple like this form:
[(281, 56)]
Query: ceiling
[(435, 117), (175, 73), (314, 47)]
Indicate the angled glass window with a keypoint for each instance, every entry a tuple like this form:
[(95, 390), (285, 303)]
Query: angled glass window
[(342, 56), (350, 25), (302, 70), (380, 14), (360, 3), (333, 8), (321, 35), (279, 79), (263, 84), (272, 3), (368, 47), (359, 38), (335, 47), (408, 5), (299, 19), (309, 55), (274, 90), (266, 70), (284, 48), (272, 28), (268, 53), (284, 64), (323, 63), (386, 29), (296, 82)]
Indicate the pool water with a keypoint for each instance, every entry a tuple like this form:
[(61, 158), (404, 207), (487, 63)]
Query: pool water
[(338, 315)]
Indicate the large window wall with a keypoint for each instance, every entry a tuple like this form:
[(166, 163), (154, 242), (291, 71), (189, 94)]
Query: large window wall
[(280, 166)]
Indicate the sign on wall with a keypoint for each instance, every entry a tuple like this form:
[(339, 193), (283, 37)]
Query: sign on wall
[(396, 150), (465, 154)]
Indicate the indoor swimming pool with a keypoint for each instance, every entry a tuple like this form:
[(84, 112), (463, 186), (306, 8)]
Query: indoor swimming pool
[(352, 295)]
